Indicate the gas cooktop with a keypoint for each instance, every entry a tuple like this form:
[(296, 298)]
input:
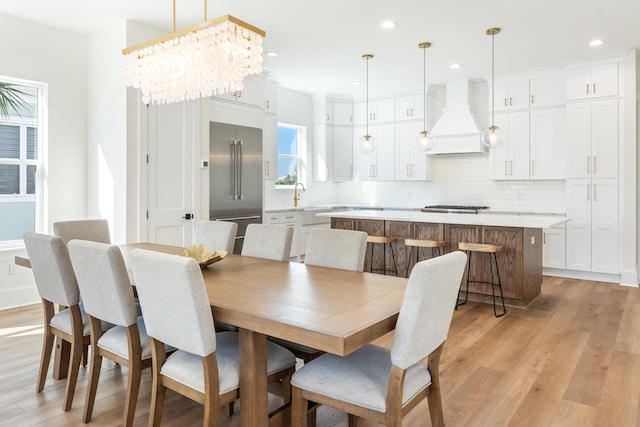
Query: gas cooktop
[(453, 208)]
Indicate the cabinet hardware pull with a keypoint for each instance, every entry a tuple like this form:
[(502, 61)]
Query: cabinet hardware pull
[(266, 163), (375, 169), (532, 99), (511, 167), (374, 116), (408, 113), (595, 194), (267, 104), (588, 192), (594, 88), (594, 165), (505, 102), (510, 101), (587, 88), (350, 118), (408, 170), (505, 168), (533, 168), (412, 112), (544, 238), (588, 164), (327, 116)]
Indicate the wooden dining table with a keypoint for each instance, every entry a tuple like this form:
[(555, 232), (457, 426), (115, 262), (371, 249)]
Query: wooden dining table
[(336, 311)]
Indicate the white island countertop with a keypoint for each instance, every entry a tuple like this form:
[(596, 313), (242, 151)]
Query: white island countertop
[(496, 220)]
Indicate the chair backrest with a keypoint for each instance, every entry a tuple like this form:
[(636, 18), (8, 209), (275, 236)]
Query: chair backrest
[(268, 241), (216, 235), (343, 249), (103, 281), (174, 301), (427, 308), (95, 230), (52, 269)]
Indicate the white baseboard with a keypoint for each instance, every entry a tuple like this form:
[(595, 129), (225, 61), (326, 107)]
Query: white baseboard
[(18, 297), (583, 275)]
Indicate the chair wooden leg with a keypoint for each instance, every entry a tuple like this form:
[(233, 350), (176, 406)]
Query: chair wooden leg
[(353, 420), (47, 348), (230, 408), (158, 390), (85, 354), (92, 386), (72, 375), (434, 397), (298, 408), (133, 388)]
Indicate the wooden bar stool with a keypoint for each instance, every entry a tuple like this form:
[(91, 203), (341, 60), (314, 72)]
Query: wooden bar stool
[(491, 250), (437, 246), (384, 241)]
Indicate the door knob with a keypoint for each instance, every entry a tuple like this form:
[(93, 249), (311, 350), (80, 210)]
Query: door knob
[(188, 216)]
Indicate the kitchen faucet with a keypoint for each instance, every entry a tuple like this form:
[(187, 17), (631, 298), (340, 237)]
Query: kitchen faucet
[(296, 195)]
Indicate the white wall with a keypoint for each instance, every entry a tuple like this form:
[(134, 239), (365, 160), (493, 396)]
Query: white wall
[(58, 58)]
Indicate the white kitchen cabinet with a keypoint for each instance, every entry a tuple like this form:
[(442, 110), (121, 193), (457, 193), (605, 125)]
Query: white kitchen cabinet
[(411, 163), (253, 93), (511, 96), (547, 143), (594, 81), (270, 147), (547, 92), (592, 230), (340, 143), (409, 108), (511, 160), (379, 165), (271, 97), (380, 111), (592, 134), (342, 114), (289, 218), (554, 247)]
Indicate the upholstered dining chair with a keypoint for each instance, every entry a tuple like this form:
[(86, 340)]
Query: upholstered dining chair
[(268, 241), (216, 235), (383, 385), (56, 283), (107, 296), (205, 367), (95, 230), (342, 249)]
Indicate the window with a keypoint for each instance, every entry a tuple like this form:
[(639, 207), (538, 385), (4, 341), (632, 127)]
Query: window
[(291, 150), (19, 160)]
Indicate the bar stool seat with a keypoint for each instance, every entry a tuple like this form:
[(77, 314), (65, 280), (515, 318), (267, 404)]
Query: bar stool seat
[(384, 241), (492, 251), (437, 247)]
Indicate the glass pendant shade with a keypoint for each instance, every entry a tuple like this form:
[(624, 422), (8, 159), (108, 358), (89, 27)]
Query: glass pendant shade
[(493, 137), (367, 144), (425, 141)]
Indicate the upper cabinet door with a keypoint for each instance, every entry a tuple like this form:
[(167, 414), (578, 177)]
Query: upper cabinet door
[(595, 81), (547, 92), (343, 113), (511, 95), (547, 143), (409, 107), (376, 112)]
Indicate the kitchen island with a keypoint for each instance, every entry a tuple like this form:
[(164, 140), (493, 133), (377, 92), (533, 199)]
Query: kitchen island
[(520, 236)]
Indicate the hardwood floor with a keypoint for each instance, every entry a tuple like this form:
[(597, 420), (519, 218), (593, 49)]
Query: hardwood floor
[(571, 359)]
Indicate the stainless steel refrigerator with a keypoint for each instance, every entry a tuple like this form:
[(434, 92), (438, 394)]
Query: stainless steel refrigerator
[(235, 176)]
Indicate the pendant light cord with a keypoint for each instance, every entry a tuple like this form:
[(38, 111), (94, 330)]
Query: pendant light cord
[(424, 93), (493, 79), (367, 91)]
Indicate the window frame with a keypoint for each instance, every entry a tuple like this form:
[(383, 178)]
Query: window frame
[(301, 157)]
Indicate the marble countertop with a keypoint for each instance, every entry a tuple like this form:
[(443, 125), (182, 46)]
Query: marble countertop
[(488, 219)]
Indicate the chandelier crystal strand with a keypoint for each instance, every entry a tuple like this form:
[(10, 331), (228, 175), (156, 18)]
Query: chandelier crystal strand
[(209, 59), (493, 137), (366, 143), (424, 138)]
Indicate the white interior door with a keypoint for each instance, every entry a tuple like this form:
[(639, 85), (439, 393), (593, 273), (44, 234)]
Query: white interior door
[(172, 136)]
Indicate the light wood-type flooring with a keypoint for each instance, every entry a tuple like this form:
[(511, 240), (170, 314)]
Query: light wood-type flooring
[(571, 359)]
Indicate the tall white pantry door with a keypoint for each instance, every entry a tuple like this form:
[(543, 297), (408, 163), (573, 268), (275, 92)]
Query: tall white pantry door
[(172, 135)]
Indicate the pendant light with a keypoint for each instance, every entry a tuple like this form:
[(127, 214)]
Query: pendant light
[(424, 138), (492, 137), (366, 143)]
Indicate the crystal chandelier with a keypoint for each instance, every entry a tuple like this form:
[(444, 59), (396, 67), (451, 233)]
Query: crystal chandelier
[(207, 59)]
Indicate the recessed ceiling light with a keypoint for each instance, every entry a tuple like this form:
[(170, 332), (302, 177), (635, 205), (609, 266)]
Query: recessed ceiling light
[(355, 82), (387, 25), (455, 66), (595, 42), (271, 53)]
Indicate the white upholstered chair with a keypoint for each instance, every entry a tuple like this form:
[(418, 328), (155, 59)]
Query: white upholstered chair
[(342, 249), (107, 296), (383, 385), (56, 283), (95, 230), (268, 241), (205, 367), (216, 235)]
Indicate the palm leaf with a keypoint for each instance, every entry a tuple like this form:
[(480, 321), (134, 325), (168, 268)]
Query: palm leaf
[(11, 99)]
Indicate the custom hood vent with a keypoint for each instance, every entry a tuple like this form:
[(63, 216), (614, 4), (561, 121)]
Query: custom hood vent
[(457, 131)]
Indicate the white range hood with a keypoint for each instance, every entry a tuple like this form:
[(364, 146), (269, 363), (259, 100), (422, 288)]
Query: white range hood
[(457, 132)]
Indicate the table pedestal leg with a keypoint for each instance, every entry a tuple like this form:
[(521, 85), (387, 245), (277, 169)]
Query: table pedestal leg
[(254, 409)]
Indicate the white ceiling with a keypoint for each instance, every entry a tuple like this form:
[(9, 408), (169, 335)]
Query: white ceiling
[(321, 43)]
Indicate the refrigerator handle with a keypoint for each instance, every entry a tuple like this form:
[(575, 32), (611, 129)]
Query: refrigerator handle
[(240, 163), (233, 169)]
